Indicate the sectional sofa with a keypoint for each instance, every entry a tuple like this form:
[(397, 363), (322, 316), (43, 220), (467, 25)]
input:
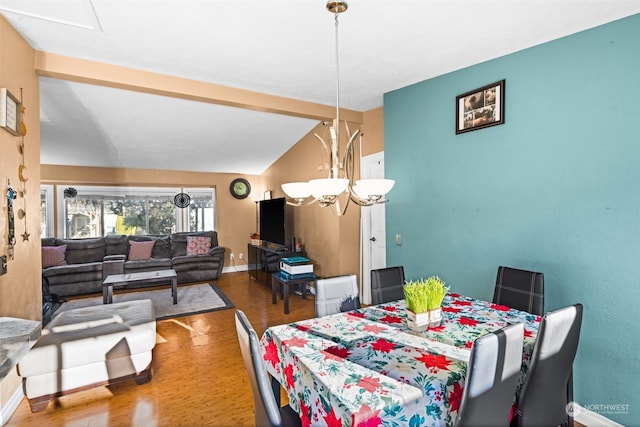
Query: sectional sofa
[(78, 266)]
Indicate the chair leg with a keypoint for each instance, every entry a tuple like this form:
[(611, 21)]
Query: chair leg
[(570, 398)]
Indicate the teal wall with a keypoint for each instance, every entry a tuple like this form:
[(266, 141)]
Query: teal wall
[(555, 189)]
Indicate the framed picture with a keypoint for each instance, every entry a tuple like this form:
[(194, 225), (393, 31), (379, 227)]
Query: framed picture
[(9, 112), (480, 108), (267, 195)]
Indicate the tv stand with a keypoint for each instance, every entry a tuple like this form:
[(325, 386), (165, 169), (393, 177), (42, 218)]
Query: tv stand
[(264, 260)]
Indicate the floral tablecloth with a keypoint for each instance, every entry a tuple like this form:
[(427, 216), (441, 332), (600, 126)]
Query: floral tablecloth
[(366, 368)]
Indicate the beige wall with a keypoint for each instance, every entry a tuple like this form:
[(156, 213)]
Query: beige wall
[(373, 131), (21, 287), (236, 219), (331, 241)]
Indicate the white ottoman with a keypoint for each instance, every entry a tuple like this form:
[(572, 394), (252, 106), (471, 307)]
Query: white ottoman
[(89, 347)]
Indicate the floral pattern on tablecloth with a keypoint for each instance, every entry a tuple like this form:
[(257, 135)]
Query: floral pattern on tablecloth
[(366, 368)]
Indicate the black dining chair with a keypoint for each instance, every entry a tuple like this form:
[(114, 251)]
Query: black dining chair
[(520, 289), (267, 412), (548, 386), (387, 284), (492, 376)]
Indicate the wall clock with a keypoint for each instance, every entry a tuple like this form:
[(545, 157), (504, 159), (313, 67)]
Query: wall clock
[(9, 108), (240, 188)]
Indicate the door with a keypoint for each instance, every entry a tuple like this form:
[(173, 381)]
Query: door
[(372, 230)]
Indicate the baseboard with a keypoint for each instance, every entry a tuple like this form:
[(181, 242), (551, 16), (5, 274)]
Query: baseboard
[(234, 268), (592, 419), (12, 404)]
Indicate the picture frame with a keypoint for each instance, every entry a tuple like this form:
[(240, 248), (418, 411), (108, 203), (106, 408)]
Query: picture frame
[(480, 108), (267, 195), (9, 112)]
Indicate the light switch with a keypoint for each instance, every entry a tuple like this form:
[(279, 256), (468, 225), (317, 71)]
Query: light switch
[(398, 239)]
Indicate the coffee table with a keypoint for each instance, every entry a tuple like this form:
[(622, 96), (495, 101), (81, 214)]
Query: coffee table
[(146, 277)]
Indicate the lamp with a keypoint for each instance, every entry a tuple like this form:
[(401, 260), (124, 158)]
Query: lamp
[(328, 191)]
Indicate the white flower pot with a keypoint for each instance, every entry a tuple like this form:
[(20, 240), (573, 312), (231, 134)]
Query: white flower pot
[(435, 317), (420, 322)]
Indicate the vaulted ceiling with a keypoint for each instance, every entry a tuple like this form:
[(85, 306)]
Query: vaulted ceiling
[(284, 48)]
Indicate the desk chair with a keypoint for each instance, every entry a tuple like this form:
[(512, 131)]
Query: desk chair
[(267, 412), (492, 376), (520, 289), (548, 386), (337, 294), (386, 284)]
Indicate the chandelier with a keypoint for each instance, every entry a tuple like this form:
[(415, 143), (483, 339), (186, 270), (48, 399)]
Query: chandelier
[(333, 190)]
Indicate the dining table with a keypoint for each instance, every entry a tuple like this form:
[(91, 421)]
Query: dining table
[(366, 367)]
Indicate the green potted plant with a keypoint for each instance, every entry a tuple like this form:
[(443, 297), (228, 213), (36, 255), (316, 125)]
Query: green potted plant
[(424, 300)]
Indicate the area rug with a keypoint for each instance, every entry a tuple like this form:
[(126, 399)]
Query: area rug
[(192, 299)]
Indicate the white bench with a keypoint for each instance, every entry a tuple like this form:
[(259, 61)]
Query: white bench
[(89, 347)]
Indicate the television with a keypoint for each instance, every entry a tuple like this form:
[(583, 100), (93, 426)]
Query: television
[(273, 221)]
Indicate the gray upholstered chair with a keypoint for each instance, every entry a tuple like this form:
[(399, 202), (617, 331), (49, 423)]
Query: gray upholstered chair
[(337, 294), (267, 412), (492, 376), (520, 289), (547, 388), (386, 284)]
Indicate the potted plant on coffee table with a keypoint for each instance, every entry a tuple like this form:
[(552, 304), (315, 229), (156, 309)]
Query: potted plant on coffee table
[(424, 300)]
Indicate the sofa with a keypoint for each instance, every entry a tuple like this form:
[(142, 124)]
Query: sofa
[(78, 266), (88, 347)]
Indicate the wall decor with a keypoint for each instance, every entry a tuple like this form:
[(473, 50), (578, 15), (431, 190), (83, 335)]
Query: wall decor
[(9, 112), (240, 188), (182, 200), (480, 108)]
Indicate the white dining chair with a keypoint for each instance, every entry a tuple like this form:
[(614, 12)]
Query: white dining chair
[(337, 294)]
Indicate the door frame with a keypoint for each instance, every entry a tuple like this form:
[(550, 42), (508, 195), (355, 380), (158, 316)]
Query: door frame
[(368, 169)]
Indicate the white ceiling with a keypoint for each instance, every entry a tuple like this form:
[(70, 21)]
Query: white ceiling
[(285, 48)]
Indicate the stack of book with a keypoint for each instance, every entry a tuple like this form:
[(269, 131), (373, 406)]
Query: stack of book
[(296, 267)]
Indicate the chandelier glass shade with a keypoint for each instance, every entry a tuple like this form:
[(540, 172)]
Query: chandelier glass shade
[(328, 191)]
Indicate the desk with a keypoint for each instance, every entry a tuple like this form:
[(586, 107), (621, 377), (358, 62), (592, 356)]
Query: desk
[(367, 366), (278, 280), (263, 260)]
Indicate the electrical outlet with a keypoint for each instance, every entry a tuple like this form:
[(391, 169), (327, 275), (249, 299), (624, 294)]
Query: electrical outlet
[(241, 256), (3, 264), (232, 256)]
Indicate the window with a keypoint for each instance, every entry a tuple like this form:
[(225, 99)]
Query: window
[(85, 211), (46, 211)]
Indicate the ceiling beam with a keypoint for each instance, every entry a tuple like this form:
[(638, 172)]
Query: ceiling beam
[(97, 73)]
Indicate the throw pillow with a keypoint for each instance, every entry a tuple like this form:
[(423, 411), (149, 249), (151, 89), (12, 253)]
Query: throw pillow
[(198, 245), (140, 250), (53, 256)]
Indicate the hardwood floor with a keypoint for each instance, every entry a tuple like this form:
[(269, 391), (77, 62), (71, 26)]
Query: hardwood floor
[(198, 380), (198, 375)]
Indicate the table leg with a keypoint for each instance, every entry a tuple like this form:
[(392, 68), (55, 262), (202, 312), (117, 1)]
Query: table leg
[(107, 294), (286, 297), (275, 386), (304, 289), (174, 289), (275, 284)]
